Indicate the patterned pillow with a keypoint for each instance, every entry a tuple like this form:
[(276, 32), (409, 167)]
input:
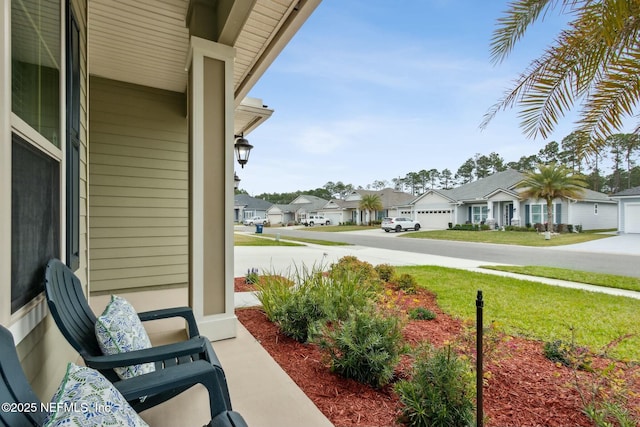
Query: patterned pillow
[(120, 330), (85, 399)]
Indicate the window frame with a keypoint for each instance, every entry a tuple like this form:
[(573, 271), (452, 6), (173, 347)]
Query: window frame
[(482, 215), (26, 318), (543, 213), (73, 137)]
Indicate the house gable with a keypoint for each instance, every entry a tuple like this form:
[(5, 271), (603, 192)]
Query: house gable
[(502, 195), (432, 199)]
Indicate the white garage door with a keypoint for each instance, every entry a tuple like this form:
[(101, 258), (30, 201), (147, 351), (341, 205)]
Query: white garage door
[(438, 219), (632, 218), (335, 218)]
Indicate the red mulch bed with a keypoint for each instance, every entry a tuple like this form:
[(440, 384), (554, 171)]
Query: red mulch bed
[(522, 388)]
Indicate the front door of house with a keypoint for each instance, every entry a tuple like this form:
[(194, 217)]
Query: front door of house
[(508, 213)]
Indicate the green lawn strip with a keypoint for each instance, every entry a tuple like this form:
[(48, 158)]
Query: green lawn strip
[(246, 240), (536, 310), (338, 228), (316, 241), (598, 279), (507, 237)]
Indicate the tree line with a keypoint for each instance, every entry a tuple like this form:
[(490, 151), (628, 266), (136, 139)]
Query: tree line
[(621, 151)]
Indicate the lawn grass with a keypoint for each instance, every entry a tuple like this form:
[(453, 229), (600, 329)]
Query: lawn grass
[(536, 310), (598, 279), (248, 240), (507, 237), (338, 228)]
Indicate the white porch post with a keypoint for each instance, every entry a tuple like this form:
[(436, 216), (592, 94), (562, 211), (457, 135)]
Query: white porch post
[(515, 220), (5, 163), (211, 106), (491, 214)]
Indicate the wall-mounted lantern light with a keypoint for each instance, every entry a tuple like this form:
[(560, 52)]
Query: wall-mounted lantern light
[(242, 148)]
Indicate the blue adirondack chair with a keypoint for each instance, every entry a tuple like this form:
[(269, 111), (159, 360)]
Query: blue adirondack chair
[(16, 392), (75, 319)]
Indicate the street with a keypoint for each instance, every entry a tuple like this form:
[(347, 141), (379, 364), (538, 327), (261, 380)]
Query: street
[(612, 263)]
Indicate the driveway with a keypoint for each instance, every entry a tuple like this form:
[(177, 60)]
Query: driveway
[(624, 244)]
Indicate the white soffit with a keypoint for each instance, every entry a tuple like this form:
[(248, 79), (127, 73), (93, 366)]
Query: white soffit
[(249, 115), (145, 42)]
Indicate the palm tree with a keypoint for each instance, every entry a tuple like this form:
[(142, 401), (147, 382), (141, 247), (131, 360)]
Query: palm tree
[(595, 60), (552, 181), (370, 202)]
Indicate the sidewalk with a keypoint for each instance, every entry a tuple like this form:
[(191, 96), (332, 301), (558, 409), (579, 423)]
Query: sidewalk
[(284, 259)]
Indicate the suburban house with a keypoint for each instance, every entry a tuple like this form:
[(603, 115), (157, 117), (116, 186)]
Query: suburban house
[(306, 204), (495, 200), (348, 210), (628, 210), (245, 206), (281, 214), (118, 124)]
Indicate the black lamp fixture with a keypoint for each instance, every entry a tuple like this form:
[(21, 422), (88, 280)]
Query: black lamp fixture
[(242, 148), (236, 181)]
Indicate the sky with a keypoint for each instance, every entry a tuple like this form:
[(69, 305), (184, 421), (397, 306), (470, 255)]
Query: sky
[(374, 89)]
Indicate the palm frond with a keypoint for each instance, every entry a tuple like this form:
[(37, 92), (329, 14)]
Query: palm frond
[(594, 60), (513, 25), (615, 96)]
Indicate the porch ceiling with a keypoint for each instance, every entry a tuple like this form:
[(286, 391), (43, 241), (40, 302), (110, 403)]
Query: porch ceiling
[(145, 42)]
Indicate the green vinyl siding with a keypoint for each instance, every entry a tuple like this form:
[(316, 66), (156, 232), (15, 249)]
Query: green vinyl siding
[(138, 187)]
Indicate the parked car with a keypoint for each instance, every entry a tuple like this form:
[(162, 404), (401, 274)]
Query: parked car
[(255, 220), (312, 220), (399, 223)]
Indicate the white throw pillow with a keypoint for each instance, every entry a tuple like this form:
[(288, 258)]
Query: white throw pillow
[(120, 330), (85, 398)]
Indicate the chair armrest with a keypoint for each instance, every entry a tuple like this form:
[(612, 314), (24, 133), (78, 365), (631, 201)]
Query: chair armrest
[(185, 312), (175, 377), (227, 419), (153, 354)]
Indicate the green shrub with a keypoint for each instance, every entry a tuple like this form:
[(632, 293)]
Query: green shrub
[(273, 291), (385, 272), (440, 392), (522, 229), (407, 283), (343, 291), (568, 354), (352, 266), (466, 227), (295, 306), (365, 347), (421, 313), (303, 302)]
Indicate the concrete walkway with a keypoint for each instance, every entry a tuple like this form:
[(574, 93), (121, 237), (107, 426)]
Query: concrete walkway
[(285, 259)]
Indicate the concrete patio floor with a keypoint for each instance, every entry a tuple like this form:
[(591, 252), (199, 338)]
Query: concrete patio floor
[(260, 390)]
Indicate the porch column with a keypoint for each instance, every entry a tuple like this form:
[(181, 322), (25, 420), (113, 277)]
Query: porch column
[(491, 214), (210, 109), (515, 220)]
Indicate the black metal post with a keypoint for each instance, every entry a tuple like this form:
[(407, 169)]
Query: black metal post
[(479, 361)]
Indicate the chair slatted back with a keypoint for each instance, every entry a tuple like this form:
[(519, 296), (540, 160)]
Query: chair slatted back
[(70, 309), (15, 389)]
